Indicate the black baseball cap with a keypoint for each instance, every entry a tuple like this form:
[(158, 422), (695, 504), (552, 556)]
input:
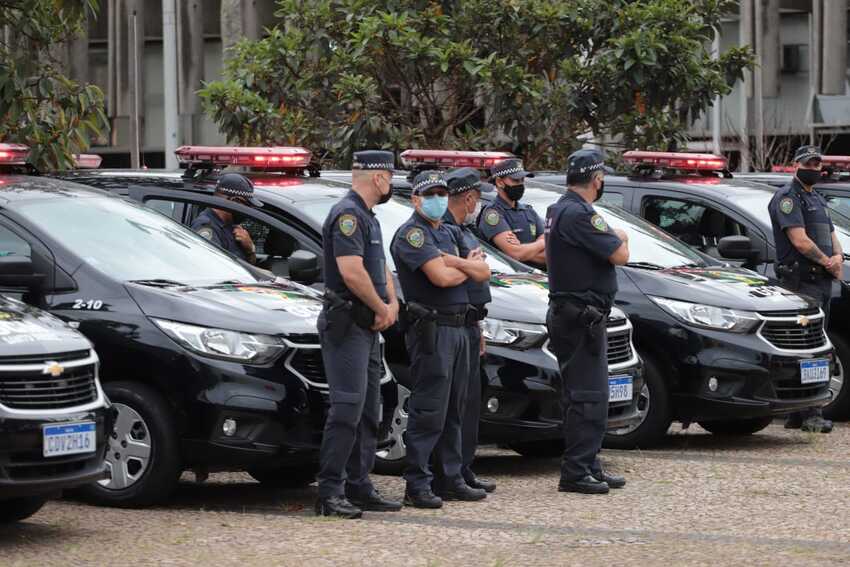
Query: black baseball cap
[(510, 168), (583, 162), (428, 180), (237, 185), (805, 153), (374, 160), (465, 178)]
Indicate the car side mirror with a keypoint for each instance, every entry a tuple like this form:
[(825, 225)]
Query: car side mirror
[(737, 248), (17, 274), (304, 267)]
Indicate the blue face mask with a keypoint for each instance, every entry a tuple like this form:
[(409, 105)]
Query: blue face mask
[(434, 206)]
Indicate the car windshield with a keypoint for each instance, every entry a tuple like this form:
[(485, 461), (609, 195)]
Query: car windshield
[(391, 216), (129, 242), (649, 246)]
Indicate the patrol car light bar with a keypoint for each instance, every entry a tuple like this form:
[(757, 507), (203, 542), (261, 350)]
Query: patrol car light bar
[(87, 161), (836, 163), (14, 154), (280, 157), (452, 158), (677, 160), (783, 169)]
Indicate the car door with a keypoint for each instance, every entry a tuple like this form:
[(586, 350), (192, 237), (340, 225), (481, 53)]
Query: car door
[(15, 240)]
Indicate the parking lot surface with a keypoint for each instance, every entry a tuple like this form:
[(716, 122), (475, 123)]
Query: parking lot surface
[(778, 496)]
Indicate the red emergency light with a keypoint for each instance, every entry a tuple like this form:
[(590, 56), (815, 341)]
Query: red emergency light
[(677, 160), (279, 157), (836, 163), (453, 158), (87, 161), (783, 169), (14, 154)]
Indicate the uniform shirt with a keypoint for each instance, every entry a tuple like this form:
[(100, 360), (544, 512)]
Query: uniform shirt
[(351, 229), (793, 206), (415, 243), (578, 245), (211, 227), (500, 217), (479, 292)]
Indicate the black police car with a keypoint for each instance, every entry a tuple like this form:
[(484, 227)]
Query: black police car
[(722, 347), (696, 200), (520, 405), (210, 364), (55, 420)]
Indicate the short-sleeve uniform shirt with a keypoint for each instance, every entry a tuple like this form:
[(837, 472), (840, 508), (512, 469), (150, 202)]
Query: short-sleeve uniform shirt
[(479, 292), (210, 226), (500, 217), (793, 206)]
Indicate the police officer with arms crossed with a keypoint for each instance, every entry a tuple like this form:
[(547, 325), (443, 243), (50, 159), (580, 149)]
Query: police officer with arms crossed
[(360, 302), (465, 190), (221, 227), (433, 272), (514, 228), (808, 254), (581, 251)]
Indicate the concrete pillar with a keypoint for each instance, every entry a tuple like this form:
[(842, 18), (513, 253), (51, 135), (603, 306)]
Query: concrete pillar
[(760, 160), (125, 52), (834, 47), (770, 48), (244, 19), (231, 25), (190, 64), (746, 38)]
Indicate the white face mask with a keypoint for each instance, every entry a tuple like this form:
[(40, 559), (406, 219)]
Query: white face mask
[(470, 218)]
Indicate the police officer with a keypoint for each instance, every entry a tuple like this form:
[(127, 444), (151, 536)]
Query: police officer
[(808, 254), (465, 188), (581, 251), (360, 302), (221, 227), (514, 228), (433, 271)]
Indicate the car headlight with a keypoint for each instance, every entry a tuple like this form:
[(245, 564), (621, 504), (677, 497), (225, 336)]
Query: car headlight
[(709, 316), (224, 344), (513, 334)]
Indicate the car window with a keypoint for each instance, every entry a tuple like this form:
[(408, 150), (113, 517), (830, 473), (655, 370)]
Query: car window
[(695, 224), (171, 209), (840, 205), (13, 245), (611, 198)]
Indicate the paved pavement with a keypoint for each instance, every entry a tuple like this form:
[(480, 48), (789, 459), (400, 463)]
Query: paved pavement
[(775, 497)]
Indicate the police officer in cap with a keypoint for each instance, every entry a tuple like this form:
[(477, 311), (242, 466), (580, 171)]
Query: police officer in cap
[(581, 251), (465, 189), (514, 228), (221, 227), (433, 269), (360, 302), (808, 254)]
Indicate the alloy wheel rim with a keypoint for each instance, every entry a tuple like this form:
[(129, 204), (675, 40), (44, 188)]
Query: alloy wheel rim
[(396, 450), (129, 451), (643, 411)]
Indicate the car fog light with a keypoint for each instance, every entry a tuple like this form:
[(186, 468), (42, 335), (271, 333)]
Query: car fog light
[(712, 384), (229, 427), (493, 405)]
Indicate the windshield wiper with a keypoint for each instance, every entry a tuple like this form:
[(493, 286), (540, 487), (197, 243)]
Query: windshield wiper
[(688, 265), (158, 282), (645, 265)]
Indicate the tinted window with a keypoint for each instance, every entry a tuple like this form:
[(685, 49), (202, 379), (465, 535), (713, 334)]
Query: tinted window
[(13, 245), (168, 208), (695, 224)]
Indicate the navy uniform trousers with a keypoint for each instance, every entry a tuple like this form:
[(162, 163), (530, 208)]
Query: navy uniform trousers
[(472, 413), (353, 369)]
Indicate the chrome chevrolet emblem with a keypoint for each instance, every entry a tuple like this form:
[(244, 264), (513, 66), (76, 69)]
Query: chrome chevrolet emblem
[(802, 320), (53, 368)]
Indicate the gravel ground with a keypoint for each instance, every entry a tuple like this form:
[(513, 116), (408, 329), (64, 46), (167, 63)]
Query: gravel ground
[(776, 497)]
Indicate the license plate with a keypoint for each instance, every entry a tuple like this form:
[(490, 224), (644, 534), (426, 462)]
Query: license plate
[(620, 388), (814, 371), (69, 439)]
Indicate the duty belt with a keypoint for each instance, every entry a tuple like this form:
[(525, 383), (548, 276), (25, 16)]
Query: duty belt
[(444, 318), (475, 314)]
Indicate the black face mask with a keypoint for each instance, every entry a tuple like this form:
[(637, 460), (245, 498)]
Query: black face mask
[(600, 192), (238, 218), (514, 192), (384, 198), (808, 177)]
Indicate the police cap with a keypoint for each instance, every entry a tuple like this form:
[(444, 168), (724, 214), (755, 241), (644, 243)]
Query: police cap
[(510, 168), (805, 153), (237, 185), (374, 160), (582, 163), (463, 179), (428, 180)]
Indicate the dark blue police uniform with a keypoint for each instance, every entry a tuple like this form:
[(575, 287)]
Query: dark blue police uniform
[(350, 348), (500, 217), (210, 226), (582, 284), (438, 345)]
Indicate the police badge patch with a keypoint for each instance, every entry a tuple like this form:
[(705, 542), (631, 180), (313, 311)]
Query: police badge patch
[(206, 232), (347, 224), (492, 217), (786, 205), (599, 223), (415, 237), (533, 229)]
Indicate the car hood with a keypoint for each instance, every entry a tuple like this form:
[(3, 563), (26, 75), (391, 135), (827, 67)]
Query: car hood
[(519, 297), (270, 309), (27, 331), (735, 288)]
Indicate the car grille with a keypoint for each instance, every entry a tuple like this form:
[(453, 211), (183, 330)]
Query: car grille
[(789, 334), (308, 364), (619, 346), (28, 389)]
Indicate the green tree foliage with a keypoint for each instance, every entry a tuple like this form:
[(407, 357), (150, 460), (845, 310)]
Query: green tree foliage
[(39, 105), (523, 75)]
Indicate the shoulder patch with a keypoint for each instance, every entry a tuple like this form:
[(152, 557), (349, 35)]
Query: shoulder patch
[(492, 217), (786, 205), (533, 229), (347, 224), (415, 237), (206, 232), (599, 223)]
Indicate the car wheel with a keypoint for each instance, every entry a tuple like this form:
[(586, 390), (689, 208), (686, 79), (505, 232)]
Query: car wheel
[(143, 458), (390, 460), (548, 449), (286, 478), (654, 414), (737, 426), (18, 509), (839, 407)]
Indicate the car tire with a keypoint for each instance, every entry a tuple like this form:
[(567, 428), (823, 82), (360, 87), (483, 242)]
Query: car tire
[(18, 509), (392, 459), (286, 478), (839, 408), (654, 405), (733, 427), (548, 449), (144, 448)]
